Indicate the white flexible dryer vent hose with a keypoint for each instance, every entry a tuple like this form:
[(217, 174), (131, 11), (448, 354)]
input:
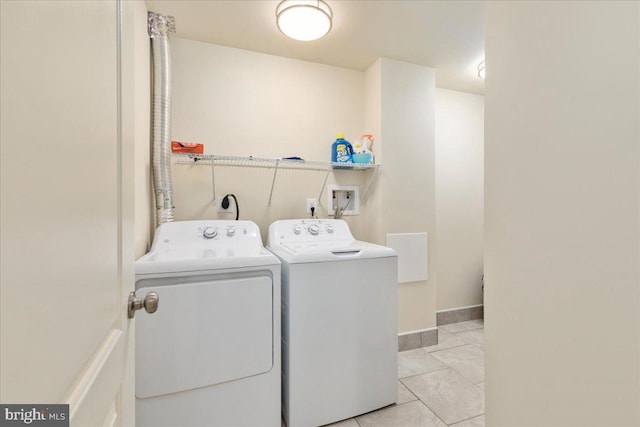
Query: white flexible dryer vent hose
[(159, 28)]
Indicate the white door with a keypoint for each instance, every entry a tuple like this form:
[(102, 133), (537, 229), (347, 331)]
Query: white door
[(66, 216)]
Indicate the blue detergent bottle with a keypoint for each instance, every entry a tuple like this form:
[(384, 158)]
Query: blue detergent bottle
[(341, 150)]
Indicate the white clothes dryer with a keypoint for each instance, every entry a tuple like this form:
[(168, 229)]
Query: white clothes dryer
[(210, 354), (339, 322)]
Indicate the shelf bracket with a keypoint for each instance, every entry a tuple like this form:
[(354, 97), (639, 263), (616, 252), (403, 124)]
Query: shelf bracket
[(273, 182), (324, 184), (213, 180), (374, 175)]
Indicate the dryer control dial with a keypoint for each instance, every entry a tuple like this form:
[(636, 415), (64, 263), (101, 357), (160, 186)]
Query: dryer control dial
[(313, 229), (210, 232), (231, 231), (329, 229), (296, 229)]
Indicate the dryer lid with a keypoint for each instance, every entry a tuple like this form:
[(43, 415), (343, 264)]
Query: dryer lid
[(155, 263), (204, 245)]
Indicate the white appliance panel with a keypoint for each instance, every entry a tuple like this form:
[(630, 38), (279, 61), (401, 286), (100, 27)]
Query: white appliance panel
[(412, 249), (340, 338), (339, 322), (308, 230), (251, 402), (204, 333)]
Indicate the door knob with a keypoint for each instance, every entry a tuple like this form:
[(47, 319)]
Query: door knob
[(150, 303)]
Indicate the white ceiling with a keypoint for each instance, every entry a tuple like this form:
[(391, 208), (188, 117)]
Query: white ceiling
[(445, 35)]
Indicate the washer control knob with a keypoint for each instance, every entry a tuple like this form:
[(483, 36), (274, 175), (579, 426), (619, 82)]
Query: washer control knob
[(313, 230), (329, 229), (231, 231), (296, 229), (210, 232)]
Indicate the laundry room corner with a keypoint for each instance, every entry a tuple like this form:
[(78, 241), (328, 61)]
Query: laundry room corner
[(249, 104), (293, 108)]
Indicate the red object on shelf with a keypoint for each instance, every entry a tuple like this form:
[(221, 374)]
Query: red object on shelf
[(187, 147)]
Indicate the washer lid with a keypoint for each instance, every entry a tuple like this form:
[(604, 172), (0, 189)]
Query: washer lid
[(311, 247), (306, 252), (319, 240)]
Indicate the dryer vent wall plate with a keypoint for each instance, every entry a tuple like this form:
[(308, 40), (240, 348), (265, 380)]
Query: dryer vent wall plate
[(343, 197)]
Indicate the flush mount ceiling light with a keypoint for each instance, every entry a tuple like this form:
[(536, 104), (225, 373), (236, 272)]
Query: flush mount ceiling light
[(304, 20), (481, 70)]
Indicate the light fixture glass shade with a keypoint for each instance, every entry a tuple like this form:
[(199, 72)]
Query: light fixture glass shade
[(304, 20), (481, 70)]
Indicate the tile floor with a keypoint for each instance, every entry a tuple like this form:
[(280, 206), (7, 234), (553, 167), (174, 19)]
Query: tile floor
[(438, 386)]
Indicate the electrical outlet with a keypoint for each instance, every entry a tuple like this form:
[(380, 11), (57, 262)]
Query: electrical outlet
[(219, 207), (312, 203)]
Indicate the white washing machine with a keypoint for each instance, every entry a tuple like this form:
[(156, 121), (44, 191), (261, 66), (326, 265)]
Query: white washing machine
[(339, 322), (210, 354)]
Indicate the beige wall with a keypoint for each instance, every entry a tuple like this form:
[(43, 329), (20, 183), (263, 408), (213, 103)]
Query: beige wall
[(562, 295), (373, 121), (144, 203), (246, 103), (66, 219), (400, 99), (459, 198), (408, 178)]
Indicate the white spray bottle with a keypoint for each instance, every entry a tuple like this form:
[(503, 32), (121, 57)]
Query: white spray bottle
[(367, 143)]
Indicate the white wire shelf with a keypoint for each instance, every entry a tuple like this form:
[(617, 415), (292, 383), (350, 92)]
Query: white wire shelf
[(267, 163), (214, 160)]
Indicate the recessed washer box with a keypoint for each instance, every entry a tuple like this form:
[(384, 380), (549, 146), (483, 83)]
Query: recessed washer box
[(345, 197)]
